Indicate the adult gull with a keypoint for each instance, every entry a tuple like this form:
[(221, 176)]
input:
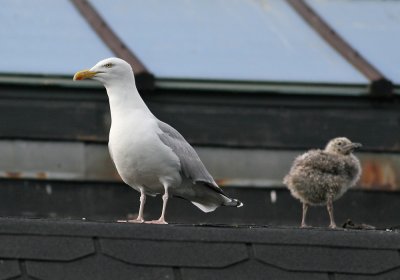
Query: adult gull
[(150, 155)]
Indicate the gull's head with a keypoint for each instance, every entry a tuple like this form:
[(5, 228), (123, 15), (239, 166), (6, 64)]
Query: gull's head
[(341, 146), (107, 71)]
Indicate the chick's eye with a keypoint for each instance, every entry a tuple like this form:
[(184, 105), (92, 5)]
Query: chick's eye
[(108, 65), (339, 143)]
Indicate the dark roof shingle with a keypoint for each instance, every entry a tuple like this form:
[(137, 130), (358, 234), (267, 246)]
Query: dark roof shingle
[(67, 249), (54, 248), (179, 253), (322, 259), (9, 269)]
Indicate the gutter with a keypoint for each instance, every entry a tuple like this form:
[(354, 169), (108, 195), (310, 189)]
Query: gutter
[(262, 87)]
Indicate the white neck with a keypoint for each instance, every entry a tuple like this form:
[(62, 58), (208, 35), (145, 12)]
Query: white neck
[(124, 98)]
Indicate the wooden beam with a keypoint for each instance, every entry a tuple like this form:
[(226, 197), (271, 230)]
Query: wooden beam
[(380, 85), (144, 79)]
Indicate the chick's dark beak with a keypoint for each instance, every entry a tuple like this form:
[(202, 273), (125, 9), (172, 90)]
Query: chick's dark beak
[(356, 145), (352, 146)]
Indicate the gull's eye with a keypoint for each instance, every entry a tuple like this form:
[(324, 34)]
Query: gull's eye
[(340, 143), (108, 65)]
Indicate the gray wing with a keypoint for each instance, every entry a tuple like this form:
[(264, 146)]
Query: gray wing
[(191, 165)]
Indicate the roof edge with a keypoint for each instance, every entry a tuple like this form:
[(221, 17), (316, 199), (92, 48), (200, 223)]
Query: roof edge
[(279, 87)]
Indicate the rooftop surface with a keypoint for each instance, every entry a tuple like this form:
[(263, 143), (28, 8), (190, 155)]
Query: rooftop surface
[(68, 249), (237, 40)]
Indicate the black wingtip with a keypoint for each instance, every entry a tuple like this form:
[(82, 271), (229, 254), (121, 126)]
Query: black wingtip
[(236, 203)]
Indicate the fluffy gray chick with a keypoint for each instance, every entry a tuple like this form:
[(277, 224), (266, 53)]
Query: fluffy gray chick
[(319, 177)]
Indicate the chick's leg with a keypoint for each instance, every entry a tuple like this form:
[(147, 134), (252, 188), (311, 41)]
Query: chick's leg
[(303, 219), (329, 207)]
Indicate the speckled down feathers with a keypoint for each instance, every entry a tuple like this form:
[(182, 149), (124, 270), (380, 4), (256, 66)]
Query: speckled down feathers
[(317, 174)]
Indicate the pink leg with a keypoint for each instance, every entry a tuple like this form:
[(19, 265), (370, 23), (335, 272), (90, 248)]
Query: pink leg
[(139, 219), (161, 220)]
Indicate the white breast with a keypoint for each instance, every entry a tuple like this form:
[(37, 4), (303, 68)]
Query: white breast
[(139, 155)]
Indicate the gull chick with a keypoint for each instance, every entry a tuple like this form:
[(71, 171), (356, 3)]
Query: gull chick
[(151, 156), (319, 177)]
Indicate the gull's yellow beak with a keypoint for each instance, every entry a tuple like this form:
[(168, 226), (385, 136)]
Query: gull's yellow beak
[(84, 74)]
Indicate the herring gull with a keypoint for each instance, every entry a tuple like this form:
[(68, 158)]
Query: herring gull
[(319, 177), (150, 155)]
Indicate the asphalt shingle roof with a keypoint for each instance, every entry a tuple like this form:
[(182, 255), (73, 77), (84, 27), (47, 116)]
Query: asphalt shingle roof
[(68, 249)]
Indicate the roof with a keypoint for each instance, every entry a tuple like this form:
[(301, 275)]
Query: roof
[(50, 249), (240, 40), (47, 37), (369, 27), (212, 40)]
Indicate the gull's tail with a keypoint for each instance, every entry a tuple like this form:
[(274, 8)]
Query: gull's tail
[(234, 203), (208, 197), (210, 206)]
